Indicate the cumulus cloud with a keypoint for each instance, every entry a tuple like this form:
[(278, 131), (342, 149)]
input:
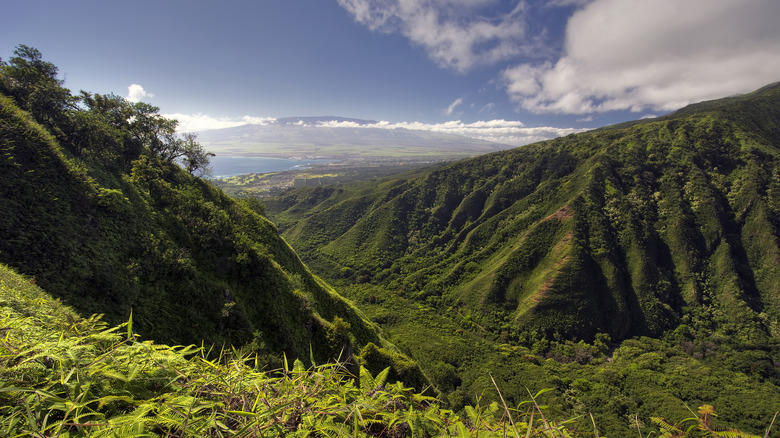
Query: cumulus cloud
[(203, 122), (658, 55), (136, 92), (453, 32)]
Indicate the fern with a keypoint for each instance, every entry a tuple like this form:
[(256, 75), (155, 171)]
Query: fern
[(62, 375)]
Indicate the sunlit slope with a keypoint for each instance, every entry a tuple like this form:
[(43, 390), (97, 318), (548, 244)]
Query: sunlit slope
[(190, 263), (623, 230)]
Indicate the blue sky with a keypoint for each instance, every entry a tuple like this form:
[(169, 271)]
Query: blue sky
[(510, 71)]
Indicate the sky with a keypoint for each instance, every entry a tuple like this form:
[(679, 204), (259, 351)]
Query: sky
[(509, 71)]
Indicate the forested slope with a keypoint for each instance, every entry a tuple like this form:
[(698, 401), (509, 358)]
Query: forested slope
[(97, 205), (634, 268), (622, 231)]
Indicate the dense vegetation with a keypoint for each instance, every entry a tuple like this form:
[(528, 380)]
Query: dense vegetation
[(68, 376), (98, 202), (537, 268), (643, 259)]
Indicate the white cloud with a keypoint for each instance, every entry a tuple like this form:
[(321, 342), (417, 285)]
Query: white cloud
[(509, 132), (452, 106), (566, 3), (653, 54), (489, 108), (136, 92), (453, 32), (203, 122)]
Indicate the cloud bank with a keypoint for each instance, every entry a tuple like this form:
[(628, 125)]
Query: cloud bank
[(203, 122), (509, 132), (618, 55), (660, 55)]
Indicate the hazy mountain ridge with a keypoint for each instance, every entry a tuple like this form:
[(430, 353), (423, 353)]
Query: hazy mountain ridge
[(314, 137)]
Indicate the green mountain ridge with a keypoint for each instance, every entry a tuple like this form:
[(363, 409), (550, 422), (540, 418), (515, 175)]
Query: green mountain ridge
[(108, 225), (620, 230), (634, 268), (545, 267)]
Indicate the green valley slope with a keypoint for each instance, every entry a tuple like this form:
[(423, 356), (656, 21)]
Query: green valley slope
[(93, 210), (635, 268), (623, 230)]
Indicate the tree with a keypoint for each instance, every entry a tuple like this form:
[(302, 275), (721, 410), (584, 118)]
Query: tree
[(155, 132), (195, 157), (104, 128), (99, 131), (33, 84)]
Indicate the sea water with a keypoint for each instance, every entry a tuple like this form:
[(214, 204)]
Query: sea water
[(222, 167)]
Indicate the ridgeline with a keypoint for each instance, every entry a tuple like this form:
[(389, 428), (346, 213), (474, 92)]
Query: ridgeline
[(632, 269), (661, 235), (97, 208), (623, 231)]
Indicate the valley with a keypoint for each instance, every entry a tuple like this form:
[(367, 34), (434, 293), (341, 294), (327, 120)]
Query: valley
[(605, 283), (564, 262)]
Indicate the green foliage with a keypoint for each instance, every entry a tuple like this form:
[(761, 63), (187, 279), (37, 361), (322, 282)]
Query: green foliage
[(516, 261), (701, 424), (538, 267), (94, 206), (62, 375)]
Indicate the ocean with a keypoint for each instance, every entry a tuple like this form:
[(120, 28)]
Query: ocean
[(222, 167)]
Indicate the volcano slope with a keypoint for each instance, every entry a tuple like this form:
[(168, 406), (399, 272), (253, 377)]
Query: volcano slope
[(666, 228)]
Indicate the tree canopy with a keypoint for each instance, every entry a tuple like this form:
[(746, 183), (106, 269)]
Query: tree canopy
[(108, 128)]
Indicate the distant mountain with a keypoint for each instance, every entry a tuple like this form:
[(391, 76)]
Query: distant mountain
[(323, 119), (354, 138), (628, 230)]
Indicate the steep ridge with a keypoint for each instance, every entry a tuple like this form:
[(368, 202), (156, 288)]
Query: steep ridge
[(117, 231), (629, 230)]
